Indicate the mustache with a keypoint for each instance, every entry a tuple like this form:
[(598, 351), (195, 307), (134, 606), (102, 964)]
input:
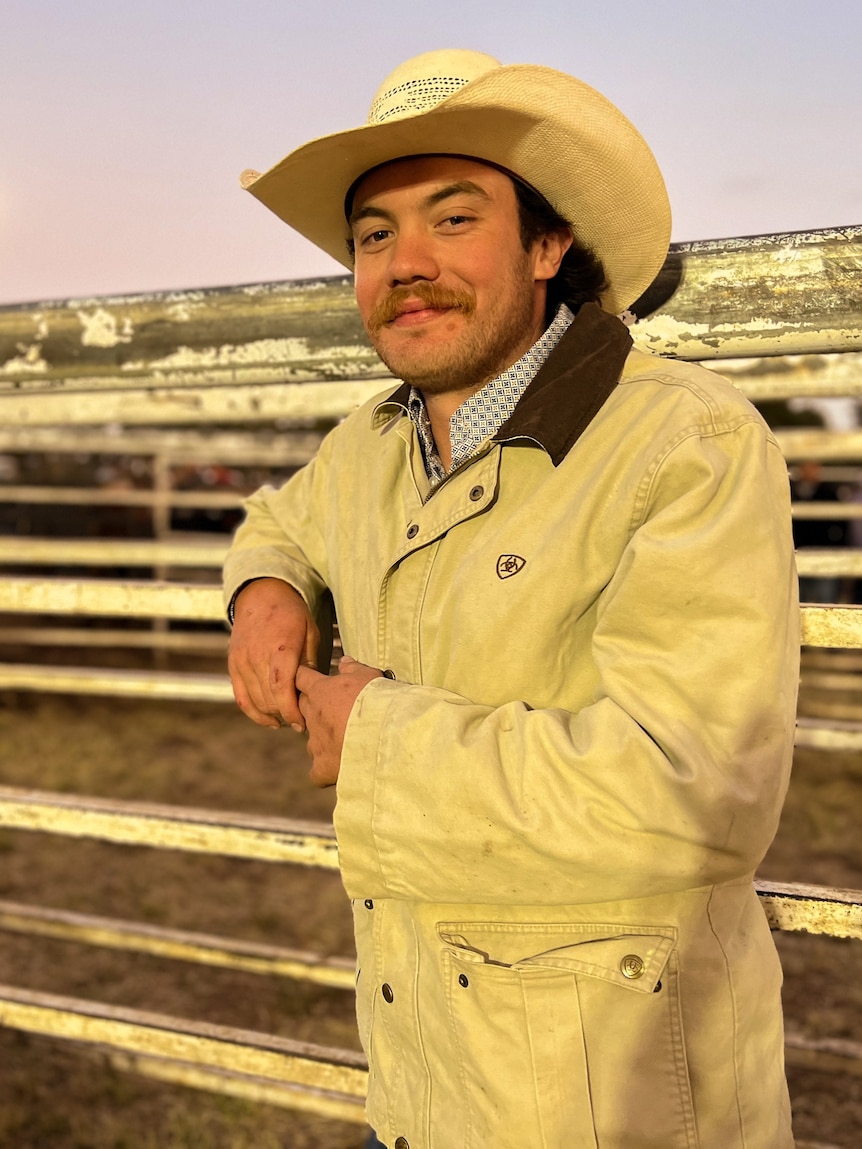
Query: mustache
[(432, 295)]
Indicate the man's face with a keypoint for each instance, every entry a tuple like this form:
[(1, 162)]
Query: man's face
[(446, 291)]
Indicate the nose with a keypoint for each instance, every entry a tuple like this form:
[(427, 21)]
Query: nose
[(411, 258)]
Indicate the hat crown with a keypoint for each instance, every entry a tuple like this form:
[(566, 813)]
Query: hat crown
[(422, 82)]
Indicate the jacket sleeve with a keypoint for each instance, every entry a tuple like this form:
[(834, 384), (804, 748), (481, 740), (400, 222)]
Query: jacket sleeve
[(281, 537), (671, 778)]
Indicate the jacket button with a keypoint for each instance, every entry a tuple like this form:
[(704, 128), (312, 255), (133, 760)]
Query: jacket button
[(412, 531), (632, 966), (476, 493), (389, 673), (463, 980), (401, 1143), (386, 990), (369, 905)]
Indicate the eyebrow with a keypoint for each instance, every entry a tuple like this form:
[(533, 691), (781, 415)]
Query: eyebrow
[(460, 187)]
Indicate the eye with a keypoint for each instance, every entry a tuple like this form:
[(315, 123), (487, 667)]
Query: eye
[(373, 238), (456, 220)]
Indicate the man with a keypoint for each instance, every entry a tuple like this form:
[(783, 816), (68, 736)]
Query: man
[(563, 576)]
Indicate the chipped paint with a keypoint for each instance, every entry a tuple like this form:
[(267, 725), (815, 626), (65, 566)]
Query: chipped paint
[(263, 351), (28, 360), (101, 329)]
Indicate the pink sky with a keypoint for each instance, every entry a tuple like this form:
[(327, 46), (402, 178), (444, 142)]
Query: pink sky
[(124, 127)]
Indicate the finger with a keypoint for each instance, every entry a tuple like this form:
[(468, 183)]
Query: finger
[(249, 709), (307, 678), (312, 643)]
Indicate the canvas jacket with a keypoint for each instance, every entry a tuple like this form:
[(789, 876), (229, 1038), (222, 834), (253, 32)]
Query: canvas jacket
[(549, 821)]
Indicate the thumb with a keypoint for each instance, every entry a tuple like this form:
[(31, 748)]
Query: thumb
[(306, 677)]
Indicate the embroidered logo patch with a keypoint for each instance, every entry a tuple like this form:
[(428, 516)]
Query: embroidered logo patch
[(508, 565)]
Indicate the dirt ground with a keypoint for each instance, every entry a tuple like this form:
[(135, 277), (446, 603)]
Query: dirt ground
[(208, 755)]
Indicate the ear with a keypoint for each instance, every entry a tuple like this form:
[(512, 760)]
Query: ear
[(548, 253)]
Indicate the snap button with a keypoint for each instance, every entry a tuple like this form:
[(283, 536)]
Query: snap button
[(390, 674), (386, 990), (632, 966), (463, 980), (401, 1143), (412, 531), (476, 493), (369, 905)]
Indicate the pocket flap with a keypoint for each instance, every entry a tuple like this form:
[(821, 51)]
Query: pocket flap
[(632, 957)]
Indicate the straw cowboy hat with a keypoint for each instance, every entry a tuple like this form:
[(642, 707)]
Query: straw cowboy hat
[(550, 130)]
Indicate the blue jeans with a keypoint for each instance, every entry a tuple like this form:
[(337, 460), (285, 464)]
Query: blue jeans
[(373, 1143)]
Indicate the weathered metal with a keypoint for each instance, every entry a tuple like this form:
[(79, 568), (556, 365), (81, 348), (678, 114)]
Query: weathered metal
[(204, 445), (796, 293), (812, 909), (111, 599), (255, 837), (790, 376), (841, 562), (260, 1090), (834, 626), (801, 444), (828, 1054), (163, 685), (179, 945), (26, 550), (210, 552), (186, 641), (834, 735), (198, 1043)]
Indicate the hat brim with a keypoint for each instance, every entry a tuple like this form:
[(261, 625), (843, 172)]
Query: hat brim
[(551, 130)]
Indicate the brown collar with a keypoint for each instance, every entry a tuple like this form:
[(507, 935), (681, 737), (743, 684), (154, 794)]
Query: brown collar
[(569, 389)]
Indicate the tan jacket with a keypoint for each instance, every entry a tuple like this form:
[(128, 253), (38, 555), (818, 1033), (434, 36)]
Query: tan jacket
[(550, 821)]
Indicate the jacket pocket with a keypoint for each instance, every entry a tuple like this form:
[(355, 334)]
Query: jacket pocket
[(568, 1036)]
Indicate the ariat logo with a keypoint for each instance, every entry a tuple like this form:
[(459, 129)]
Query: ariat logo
[(508, 565)]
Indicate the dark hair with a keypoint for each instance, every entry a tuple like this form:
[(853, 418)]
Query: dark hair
[(581, 278)]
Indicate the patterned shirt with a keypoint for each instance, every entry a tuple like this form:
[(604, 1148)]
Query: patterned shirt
[(481, 415)]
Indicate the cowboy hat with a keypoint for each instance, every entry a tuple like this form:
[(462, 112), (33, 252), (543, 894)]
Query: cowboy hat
[(548, 129)]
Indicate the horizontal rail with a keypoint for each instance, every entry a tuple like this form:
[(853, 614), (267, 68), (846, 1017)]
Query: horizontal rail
[(210, 552), (293, 402), (246, 1086), (843, 562), (25, 549), (167, 686), (179, 945), (763, 295), (789, 376), (832, 626), (198, 1043), (121, 497), (837, 735), (812, 909), (183, 641), (826, 510), (254, 837), (832, 680), (799, 445), (170, 686), (829, 1054), (106, 598), (175, 446)]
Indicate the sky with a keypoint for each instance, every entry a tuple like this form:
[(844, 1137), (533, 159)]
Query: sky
[(124, 126)]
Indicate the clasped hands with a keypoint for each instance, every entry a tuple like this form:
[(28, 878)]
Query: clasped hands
[(271, 660)]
